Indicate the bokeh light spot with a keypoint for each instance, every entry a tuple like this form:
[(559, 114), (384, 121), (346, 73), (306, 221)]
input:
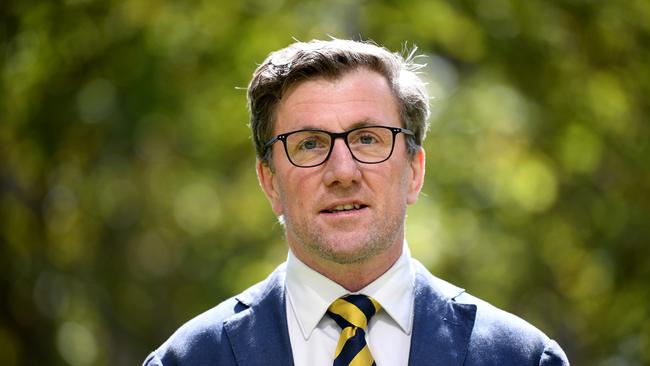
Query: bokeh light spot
[(76, 344), (533, 185), (580, 149), (96, 101), (197, 208)]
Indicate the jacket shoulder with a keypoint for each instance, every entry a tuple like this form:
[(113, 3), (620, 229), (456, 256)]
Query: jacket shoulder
[(203, 339), (497, 336), (198, 340), (500, 337)]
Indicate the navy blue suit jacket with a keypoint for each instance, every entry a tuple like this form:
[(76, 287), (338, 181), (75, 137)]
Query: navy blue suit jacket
[(450, 328)]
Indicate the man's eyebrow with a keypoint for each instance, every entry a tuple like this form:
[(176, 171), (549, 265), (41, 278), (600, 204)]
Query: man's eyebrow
[(361, 123), (308, 127)]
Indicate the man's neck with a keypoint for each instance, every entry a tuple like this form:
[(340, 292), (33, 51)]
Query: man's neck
[(354, 276)]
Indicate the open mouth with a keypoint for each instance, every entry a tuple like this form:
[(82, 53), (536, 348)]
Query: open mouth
[(344, 208)]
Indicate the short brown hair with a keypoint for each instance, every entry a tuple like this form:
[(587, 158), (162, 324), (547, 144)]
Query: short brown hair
[(301, 61)]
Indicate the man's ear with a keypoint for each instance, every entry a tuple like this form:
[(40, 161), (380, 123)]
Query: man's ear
[(417, 164), (267, 180)]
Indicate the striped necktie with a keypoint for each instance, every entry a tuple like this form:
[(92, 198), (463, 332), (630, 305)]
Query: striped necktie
[(352, 313)]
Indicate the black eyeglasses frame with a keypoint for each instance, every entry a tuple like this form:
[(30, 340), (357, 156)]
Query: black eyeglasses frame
[(333, 136)]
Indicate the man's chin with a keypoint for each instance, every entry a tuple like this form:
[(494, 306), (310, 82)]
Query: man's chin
[(348, 252)]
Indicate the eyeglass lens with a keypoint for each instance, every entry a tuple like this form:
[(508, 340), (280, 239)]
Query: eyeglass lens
[(368, 145)]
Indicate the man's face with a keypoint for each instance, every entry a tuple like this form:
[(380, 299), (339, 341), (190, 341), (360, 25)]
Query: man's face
[(315, 202)]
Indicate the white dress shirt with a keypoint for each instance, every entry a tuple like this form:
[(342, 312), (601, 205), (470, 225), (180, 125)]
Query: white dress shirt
[(314, 335)]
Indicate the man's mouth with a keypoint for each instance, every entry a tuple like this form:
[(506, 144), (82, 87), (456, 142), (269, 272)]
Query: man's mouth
[(345, 207)]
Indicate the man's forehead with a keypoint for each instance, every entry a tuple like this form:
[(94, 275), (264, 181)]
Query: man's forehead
[(357, 99), (335, 78), (358, 85)]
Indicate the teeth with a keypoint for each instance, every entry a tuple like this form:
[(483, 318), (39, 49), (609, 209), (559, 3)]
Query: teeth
[(346, 207)]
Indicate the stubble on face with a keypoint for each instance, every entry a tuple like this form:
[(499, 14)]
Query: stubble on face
[(377, 240), (386, 230)]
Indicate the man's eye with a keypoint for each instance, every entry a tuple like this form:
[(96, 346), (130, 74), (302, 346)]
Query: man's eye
[(365, 139), (310, 144)]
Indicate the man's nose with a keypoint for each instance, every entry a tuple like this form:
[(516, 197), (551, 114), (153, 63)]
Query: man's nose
[(341, 168)]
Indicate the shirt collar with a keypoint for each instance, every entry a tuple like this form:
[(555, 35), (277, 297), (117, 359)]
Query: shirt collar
[(310, 293)]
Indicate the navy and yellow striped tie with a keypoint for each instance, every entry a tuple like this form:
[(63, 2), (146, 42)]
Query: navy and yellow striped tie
[(352, 313)]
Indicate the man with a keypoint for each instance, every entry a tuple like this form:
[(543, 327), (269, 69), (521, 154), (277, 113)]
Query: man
[(338, 127)]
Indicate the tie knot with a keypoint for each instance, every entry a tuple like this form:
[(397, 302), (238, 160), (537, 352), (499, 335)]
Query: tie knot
[(353, 310)]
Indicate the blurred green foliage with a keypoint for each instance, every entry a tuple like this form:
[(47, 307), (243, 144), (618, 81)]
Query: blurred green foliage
[(129, 202)]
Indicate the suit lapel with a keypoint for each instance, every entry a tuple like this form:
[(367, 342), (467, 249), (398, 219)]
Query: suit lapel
[(259, 334), (441, 327)]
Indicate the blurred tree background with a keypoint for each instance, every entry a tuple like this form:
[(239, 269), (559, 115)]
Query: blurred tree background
[(129, 202)]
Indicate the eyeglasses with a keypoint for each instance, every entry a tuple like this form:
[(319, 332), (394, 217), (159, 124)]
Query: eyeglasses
[(309, 148)]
